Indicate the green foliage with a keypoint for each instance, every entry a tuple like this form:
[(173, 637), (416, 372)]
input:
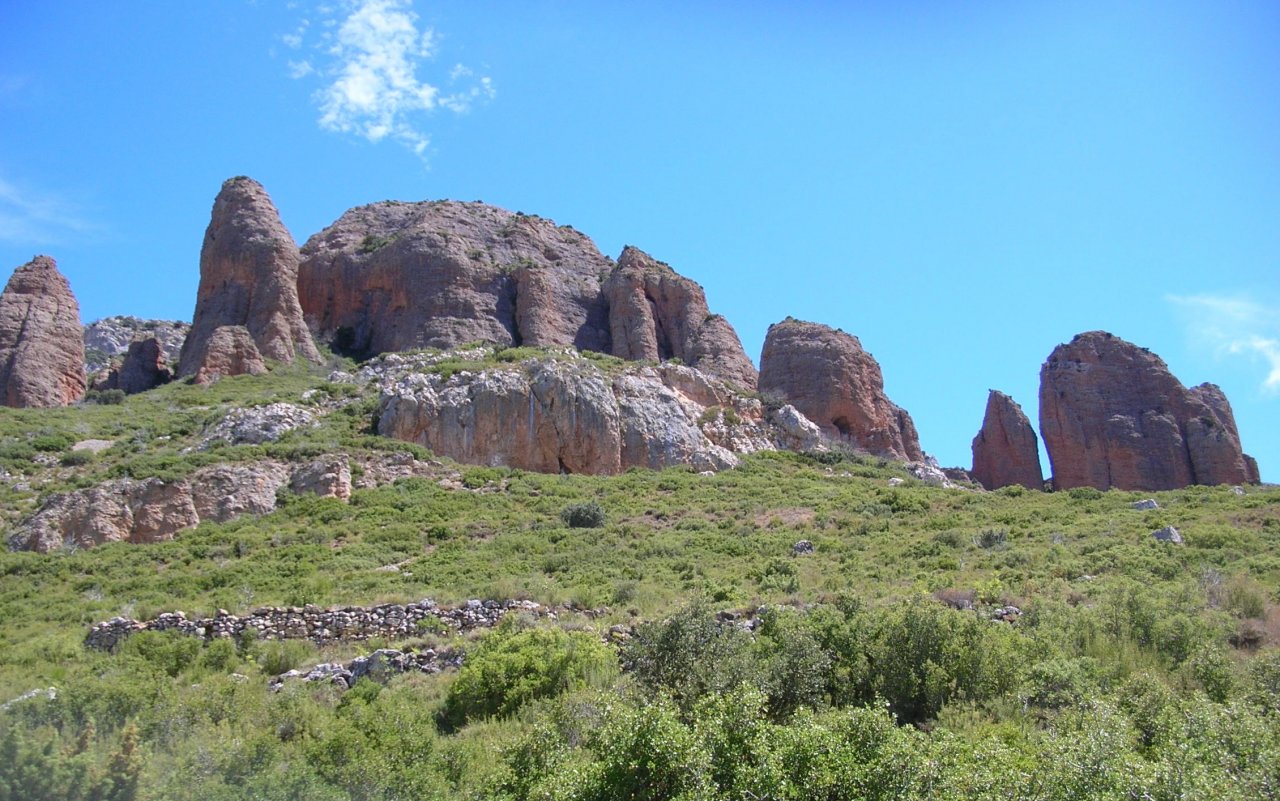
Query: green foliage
[(688, 656), (583, 515), (511, 668), (372, 243)]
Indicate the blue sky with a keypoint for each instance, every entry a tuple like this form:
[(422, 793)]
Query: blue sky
[(961, 185)]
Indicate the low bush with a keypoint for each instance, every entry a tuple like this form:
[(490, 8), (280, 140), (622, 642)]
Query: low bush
[(583, 515)]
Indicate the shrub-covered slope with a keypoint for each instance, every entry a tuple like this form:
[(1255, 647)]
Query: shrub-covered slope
[(886, 663)]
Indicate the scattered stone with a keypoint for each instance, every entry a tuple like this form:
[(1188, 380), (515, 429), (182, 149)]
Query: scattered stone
[(50, 693), (928, 473), (258, 424), (802, 548), (896, 482), (1237, 490), (1006, 614), (93, 445), (1168, 534), (41, 344), (1145, 505)]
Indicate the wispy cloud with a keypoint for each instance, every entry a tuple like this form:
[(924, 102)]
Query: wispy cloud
[(1235, 325), (28, 217), (368, 53)]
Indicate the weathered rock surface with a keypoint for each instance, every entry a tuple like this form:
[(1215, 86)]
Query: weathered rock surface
[(249, 278), (398, 276), (228, 351), (831, 380), (41, 349), (1112, 415), (124, 510), (152, 510), (656, 314), (564, 414), (1213, 397), (1006, 450), (110, 337), (144, 367), (329, 477), (254, 425)]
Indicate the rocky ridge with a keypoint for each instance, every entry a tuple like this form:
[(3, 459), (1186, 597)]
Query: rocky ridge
[(249, 284), (831, 380), (41, 344), (145, 366)]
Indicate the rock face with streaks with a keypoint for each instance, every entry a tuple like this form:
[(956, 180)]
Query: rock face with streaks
[(831, 380), (41, 345), (248, 280), (656, 314), (1006, 450), (567, 415), (1112, 415)]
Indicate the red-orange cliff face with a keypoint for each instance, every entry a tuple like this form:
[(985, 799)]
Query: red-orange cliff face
[(1112, 415)]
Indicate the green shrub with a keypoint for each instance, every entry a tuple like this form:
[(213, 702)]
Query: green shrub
[(169, 651), (583, 515), (105, 397), (1084, 493), (77, 458), (511, 668), (689, 656)]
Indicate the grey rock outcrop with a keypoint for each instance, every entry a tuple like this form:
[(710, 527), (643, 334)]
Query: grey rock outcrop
[(831, 380), (248, 278), (1006, 450), (567, 415), (41, 349)]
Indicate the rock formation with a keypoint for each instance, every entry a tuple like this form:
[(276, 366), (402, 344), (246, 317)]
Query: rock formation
[(1006, 450), (657, 314), (41, 350), (567, 415), (153, 510), (1112, 415), (144, 367), (827, 375), (110, 337), (397, 276), (229, 350), (248, 278)]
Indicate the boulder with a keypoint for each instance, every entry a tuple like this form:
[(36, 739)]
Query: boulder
[(224, 492), (831, 380), (1112, 415), (1006, 450), (656, 314), (144, 367), (1168, 534), (248, 278), (41, 349), (229, 350), (398, 276)]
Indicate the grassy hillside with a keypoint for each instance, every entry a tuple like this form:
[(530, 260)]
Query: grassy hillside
[(1135, 667)]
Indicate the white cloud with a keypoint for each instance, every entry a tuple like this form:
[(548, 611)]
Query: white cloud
[(1235, 326), (33, 218), (369, 58)]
